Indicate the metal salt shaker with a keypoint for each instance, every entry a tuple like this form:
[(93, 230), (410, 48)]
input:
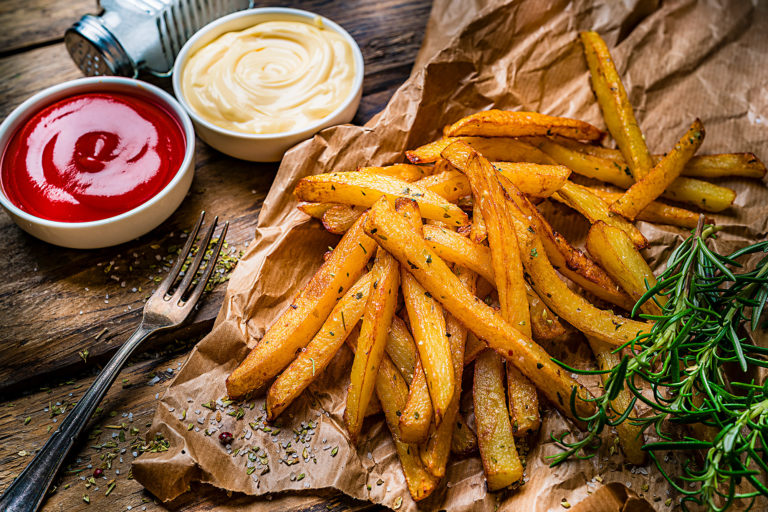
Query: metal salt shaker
[(133, 36)]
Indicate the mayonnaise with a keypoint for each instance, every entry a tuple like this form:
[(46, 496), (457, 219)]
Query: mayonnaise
[(274, 77)]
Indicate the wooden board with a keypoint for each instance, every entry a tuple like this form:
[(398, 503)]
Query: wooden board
[(45, 288)]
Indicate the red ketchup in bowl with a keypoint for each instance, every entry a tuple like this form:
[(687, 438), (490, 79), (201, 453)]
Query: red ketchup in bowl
[(91, 156)]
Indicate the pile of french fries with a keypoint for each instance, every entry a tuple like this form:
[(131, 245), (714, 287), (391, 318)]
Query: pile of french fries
[(447, 261)]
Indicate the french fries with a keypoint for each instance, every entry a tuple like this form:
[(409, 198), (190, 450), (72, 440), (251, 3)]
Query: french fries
[(464, 440), (613, 249), (656, 212), (495, 440), (428, 327), (617, 111), (306, 314), (377, 317), (523, 403), (315, 210), (393, 234), (363, 189), (473, 348), (401, 349), (311, 362), (505, 123), (339, 218), (405, 172), (418, 412), (661, 176), (594, 209), (503, 149)]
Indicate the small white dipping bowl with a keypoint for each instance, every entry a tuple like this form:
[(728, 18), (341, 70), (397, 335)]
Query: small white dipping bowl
[(125, 226), (263, 147)]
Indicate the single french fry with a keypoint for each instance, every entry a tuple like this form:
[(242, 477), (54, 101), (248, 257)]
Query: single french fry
[(339, 218), (464, 439), (570, 261), (523, 403), (613, 249), (504, 149), (306, 314), (617, 110), (724, 165), (393, 233), (505, 123), (703, 194), (418, 413), (315, 210), (311, 362), (582, 200), (656, 212), (473, 348), (377, 317), (434, 453), (630, 436), (661, 176), (545, 324), (405, 172), (363, 189), (428, 327), (401, 348), (495, 440), (479, 231)]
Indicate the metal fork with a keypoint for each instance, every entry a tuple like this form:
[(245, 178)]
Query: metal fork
[(163, 311)]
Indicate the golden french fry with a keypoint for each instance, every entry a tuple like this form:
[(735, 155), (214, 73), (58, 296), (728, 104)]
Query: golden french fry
[(428, 327), (434, 453), (545, 324), (394, 234), (613, 249), (473, 348), (479, 231), (306, 314), (377, 317), (630, 436), (464, 440), (418, 413), (656, 212), (705, 195), (315, 210), (504, 149), (661, 176), (495, 440), (339, 218), (505, 123), (523, 403), (311, 362), (401, 349), (582, 200), (405, 172), (363, 189), (617, 110)]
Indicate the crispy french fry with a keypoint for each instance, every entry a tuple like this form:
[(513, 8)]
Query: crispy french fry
[(630, 436), (306, 314), (504, 149), (405, 172), (573, 308), (428, 327), (613, 249), (705, 195), (479, 231), (363, 189), (473, 348), (377, 317), (661, 176), (464, 440), (505, 123), (315, 210), (401, 348), (656, 212), (434, 454), (545, 324), (339, 218), (418, 413), (570, 261), (523, 403), (594, 209), (617, 110), (311, 362), (495, 440), (393, 233)]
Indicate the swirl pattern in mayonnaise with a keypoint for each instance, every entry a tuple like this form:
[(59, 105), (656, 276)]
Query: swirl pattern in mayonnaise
[(275, 77)]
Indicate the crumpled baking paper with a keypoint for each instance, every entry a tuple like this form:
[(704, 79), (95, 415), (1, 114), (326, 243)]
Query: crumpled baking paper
[(679, 60)]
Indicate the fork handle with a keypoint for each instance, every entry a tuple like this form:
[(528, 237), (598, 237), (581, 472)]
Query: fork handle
[(26, 493)]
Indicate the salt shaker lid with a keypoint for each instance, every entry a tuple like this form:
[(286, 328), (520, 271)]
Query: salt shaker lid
[(96, 51)]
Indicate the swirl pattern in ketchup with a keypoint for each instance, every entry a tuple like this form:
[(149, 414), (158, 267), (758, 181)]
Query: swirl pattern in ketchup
[(92, 156)]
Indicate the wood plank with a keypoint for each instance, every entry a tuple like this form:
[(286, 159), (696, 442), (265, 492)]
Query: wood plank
[(132, 394), (28, 23)]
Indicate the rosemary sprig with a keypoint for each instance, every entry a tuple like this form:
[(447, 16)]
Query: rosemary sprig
[(696, 367)]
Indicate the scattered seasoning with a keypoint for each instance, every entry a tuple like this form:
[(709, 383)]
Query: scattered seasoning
[(398, 503), (334, 451), (29, 418), (98, 472), (565, 503), (86, 499), (226, 438)]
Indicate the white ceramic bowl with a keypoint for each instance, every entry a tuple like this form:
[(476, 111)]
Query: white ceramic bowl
[(125, 226), (263, 147)]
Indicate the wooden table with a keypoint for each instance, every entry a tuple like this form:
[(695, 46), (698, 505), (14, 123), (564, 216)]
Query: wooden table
[(63, 312)]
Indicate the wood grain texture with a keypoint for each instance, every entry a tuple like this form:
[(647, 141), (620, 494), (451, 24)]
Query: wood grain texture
[(44, 288)]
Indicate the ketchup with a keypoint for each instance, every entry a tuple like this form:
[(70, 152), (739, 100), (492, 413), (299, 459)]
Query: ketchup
[(91, 156)]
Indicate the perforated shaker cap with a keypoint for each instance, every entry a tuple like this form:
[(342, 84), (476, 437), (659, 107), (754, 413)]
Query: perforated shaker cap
[(95, 50)]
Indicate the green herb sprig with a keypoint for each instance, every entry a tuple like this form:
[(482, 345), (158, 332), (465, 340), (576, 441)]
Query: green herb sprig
[(696, 367)]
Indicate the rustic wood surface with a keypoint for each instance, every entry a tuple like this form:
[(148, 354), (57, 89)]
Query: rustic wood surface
[(63, 312)]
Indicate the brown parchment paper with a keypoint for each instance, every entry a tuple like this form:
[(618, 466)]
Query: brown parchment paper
[(679, 60)]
